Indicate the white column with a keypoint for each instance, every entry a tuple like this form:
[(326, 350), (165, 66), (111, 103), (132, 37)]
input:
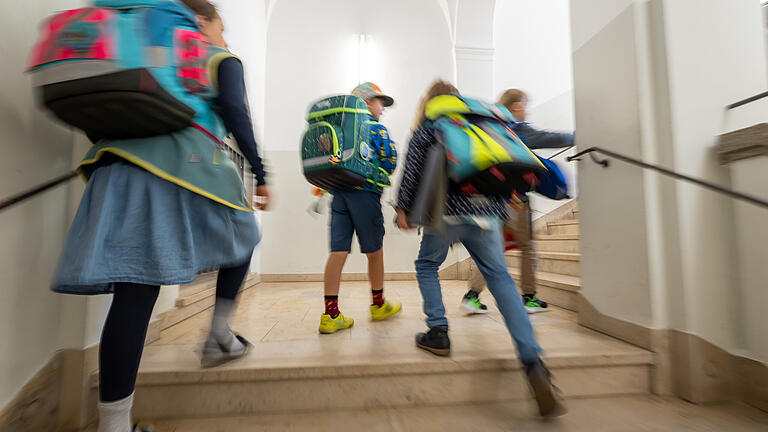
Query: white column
[(474, 71), (475, 48)]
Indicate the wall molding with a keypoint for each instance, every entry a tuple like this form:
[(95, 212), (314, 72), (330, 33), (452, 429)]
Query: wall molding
[(687, 365), (452, 272), (475, 54), (58, 397), (35, 407)]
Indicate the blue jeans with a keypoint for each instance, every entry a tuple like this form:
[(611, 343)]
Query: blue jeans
[(486, 249)]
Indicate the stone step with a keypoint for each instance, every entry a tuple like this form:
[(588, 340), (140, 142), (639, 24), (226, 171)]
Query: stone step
[(371, 385), (550, 262), (374, 365), (558, 243), (203, 281), (556, 289), (196, 291), (651, 413), (193, 299), (564, 227)]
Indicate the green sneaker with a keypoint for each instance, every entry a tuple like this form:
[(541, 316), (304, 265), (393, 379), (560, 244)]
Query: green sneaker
[(534, 305), (471, 305)]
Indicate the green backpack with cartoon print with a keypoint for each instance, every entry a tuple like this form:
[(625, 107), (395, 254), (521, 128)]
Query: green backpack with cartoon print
[(336, 149)]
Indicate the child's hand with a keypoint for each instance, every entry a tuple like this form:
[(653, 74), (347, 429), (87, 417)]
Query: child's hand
[(261, 199), (402, 220)]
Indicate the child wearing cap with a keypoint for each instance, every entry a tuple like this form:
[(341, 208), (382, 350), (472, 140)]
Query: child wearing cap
[(358, 210)]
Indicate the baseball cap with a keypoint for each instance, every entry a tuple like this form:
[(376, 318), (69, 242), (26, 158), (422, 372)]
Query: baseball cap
[(368, 90)]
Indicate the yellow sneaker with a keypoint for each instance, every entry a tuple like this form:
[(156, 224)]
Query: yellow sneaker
[(388, 309), (330, 325)]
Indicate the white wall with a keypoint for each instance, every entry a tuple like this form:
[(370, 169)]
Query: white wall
[(750, 176), (35, 149), (765, 20), (614, 254), (312, 53), (651, 81), (533, 53), (475, 53), (716, 55), (533, 49)]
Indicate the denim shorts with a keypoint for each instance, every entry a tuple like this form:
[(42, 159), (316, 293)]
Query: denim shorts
[(356, 212)]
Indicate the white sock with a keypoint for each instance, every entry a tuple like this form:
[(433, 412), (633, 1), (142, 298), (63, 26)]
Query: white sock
[(116, 416), (220, 331)]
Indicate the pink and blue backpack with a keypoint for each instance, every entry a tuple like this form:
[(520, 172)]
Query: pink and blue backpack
[(127, 69)]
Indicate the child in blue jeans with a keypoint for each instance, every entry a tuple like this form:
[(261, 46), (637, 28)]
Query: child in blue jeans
[(475, 221), (358, 211)]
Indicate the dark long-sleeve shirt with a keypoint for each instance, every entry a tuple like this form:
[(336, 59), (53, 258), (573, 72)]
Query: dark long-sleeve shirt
[(457, 202), (540, 139), (237, 118)]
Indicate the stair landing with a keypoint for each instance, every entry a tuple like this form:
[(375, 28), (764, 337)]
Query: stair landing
[(374, 364)]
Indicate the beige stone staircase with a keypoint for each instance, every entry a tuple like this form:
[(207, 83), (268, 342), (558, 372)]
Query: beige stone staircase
[(293, 369), (558, 274)]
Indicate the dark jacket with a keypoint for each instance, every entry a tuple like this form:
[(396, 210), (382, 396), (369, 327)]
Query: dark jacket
[(457, 202), (539, 139)]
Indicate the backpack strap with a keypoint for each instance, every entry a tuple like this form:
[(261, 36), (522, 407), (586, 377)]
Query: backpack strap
[(214, 61)]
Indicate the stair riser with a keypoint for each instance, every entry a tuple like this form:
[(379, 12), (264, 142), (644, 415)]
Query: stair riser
[(571, 246), (194, 298), (564, 229), (565, 299), (549, 265), (175, 316), (407, 390)]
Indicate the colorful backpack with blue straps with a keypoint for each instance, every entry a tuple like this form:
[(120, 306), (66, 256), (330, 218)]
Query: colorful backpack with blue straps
[(551, 184), (336, 149), (127, 69), (484, 155)]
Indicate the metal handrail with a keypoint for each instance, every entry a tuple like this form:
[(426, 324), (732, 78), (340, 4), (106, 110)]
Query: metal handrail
[(748, 100), (233, 154), (37, 190), (561, 152), (632, 161)]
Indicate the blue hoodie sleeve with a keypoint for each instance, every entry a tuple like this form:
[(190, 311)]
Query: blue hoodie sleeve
[(236, 116), (386, 148)]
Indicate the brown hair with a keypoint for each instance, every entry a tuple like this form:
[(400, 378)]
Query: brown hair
[(512, 96), (203, 8), (438, 88)]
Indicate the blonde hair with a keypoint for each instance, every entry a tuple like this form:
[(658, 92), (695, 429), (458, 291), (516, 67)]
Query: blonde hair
[(512, 96), (438, 88)]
